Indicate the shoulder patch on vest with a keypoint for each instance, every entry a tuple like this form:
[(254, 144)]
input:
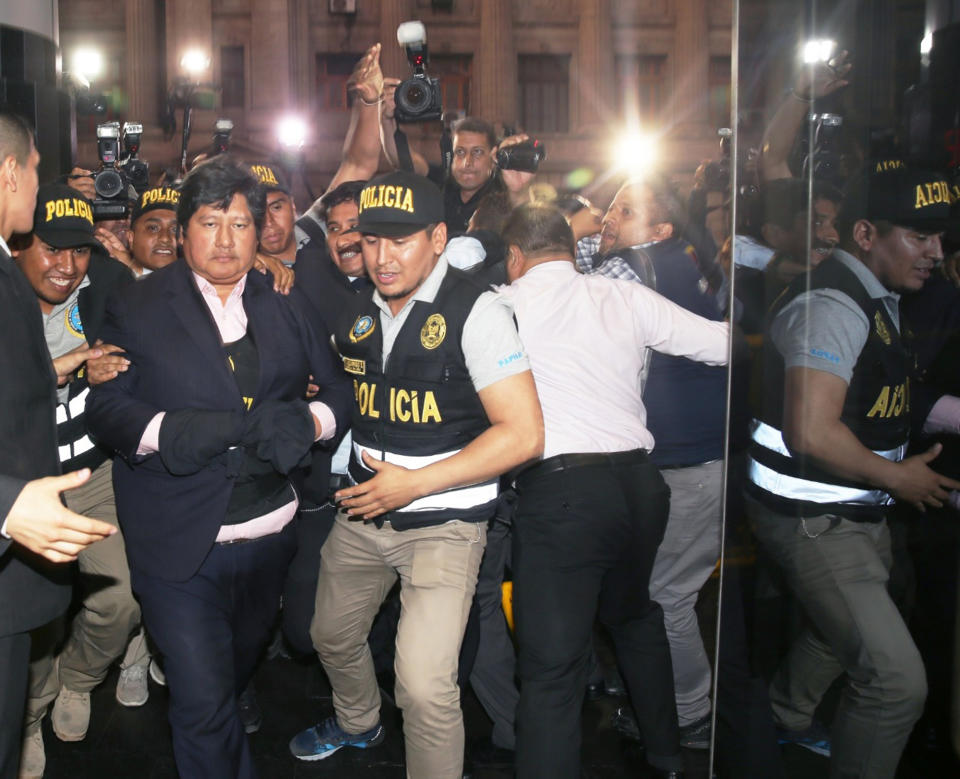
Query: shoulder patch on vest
[(74, 325), (433, 331), (364, 325)]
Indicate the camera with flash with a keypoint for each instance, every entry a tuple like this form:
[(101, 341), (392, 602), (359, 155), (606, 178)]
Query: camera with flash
[(418, 99)]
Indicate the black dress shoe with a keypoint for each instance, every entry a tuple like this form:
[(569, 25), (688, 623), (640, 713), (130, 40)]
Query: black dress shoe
[(250, 714)]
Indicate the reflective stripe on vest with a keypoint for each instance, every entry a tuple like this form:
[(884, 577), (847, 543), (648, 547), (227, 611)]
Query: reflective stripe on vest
[(459, 498), (795, 488)]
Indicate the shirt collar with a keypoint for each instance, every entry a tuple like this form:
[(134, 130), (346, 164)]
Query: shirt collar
[(426, 292), (870, 282), (6, 249), (60, 307), (209, 291)]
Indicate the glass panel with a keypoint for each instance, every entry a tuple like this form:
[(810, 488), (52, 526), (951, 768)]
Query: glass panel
[(840, 567)]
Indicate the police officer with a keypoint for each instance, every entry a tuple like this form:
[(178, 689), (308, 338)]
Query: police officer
[(72, 277), (827, 460), (444, 403)]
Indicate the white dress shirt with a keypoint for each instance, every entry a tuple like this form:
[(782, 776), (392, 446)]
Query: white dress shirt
[(586, 336)]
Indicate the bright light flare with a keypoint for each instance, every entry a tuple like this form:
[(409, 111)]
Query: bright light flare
[(88, 62), (636, 153), (926, 44), (818, 50), (194, 61), (292, 132)]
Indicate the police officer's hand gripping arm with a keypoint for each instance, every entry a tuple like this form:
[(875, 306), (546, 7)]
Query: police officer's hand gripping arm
[(813, 401), (515, 435)]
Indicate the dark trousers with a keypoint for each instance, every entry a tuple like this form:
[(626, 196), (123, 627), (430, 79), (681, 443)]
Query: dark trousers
[(584, 542), (211, 630), (312, 526), (14, 660)]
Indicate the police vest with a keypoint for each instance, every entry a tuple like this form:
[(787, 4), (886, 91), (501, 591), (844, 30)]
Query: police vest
[(422, 406), (876, 409), (76, 450)]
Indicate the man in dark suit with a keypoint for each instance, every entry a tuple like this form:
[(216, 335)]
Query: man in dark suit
[(36, 529), (208, 421)]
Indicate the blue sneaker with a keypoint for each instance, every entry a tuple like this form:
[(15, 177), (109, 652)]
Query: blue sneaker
[(326, 737), (816, 738)]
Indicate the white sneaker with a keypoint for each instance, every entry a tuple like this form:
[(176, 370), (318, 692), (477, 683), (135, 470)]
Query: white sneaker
[(32, 757), (132, 686), (156, 673), (71, 715)]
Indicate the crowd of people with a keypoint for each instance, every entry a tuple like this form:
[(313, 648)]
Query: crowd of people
[(334, 431)]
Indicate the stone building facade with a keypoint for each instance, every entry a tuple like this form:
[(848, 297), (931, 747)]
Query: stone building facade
[(569, 71)]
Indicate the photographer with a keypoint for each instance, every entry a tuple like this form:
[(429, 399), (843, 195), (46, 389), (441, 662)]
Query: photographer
[(814, 82), (473, 173)]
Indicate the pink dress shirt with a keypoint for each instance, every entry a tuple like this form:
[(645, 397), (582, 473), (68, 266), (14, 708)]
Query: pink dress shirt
[(231, 321)]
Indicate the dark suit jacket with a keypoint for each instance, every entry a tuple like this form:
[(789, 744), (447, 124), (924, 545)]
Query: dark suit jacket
[(178, 362), (106, 277), (326, 293), (32, 591)]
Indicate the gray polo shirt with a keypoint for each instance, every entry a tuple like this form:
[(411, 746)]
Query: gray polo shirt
[(825, 329)]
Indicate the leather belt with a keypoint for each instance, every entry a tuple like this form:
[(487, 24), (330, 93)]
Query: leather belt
[(565, 462)]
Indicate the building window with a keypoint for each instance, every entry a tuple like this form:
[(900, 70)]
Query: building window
[(232, 81), (455, 72), (641, 85), (719, 91), (333, 71), (544, 93)]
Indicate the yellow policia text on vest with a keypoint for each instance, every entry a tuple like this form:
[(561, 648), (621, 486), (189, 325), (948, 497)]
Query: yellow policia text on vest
[(387, 196), (69, 206), (931, 193), (891, 402), (405, 405)]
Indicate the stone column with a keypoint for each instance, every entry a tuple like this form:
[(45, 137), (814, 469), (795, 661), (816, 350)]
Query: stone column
[(142, 55), (495, 63), (270, 54), (691, 67), (594, 97), (301, 54), (393, 60), (189, 26)]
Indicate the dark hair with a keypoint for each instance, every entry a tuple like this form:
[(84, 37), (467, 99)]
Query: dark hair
[(665, 206), (571, 204), (538, 227), (215, 182), (784, 199), (492, 212), (470, 124), (16, 137), (347, 192)]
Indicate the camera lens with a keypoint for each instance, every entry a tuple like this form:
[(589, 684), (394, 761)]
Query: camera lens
[(108, 183), (413, 97)]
